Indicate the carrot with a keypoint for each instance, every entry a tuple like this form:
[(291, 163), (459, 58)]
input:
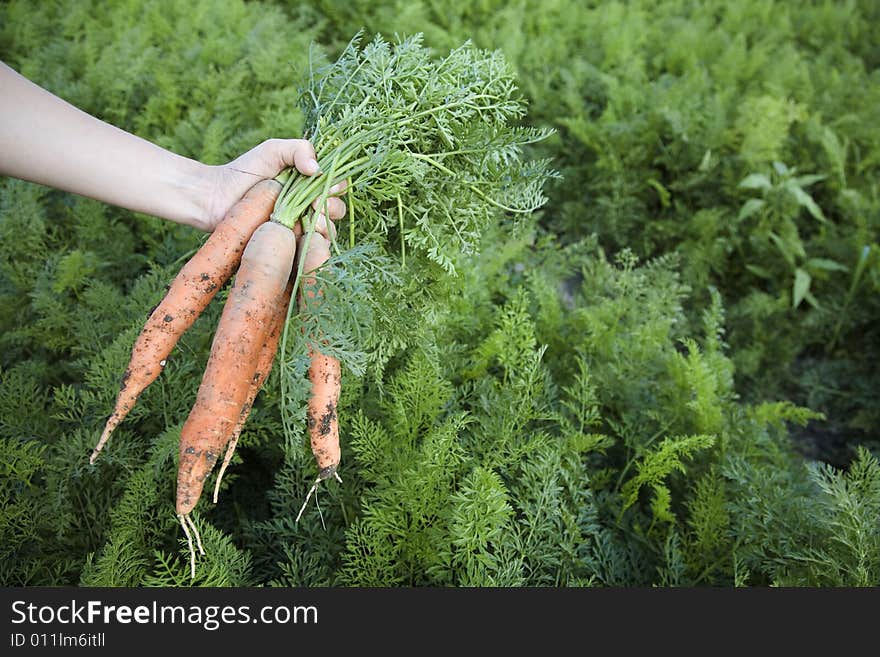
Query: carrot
[(325, 377), (188, 295), (324, 373), (247, 318), (264, 366)]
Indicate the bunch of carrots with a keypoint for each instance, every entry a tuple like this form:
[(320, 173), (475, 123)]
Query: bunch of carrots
[(261, 252), (430, 147)]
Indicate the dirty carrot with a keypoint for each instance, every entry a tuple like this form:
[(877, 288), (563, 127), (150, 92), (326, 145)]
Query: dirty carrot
[(248, 316), (325, 377), (188, 295), (264, 366), (324, 374)]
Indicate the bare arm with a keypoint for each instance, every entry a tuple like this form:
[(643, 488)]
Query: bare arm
[(46, 140)]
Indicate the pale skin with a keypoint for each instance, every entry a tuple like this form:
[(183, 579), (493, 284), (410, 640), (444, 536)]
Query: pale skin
[(46, 140)]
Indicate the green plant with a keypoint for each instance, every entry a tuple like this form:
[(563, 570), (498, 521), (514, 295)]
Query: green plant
[(783, 194), (531, 421)]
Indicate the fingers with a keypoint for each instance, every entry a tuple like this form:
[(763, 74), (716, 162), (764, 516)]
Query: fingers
[(271, 157), (274, 155), (332, 207), (335, 207), (325, 228), (318, 253), (300, 153), (339, 188)]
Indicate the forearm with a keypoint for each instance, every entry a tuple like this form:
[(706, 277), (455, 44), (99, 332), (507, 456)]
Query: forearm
[(46, 140)]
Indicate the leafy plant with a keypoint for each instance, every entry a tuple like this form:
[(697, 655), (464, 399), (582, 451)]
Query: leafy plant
[(782, 196), (432, 156)]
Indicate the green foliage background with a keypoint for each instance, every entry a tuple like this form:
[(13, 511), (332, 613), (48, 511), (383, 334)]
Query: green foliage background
[(666, 377)]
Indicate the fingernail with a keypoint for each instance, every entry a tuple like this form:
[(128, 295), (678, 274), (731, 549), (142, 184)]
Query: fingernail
[(314, 166)]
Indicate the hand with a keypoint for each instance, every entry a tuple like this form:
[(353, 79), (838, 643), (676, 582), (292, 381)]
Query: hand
[(230, 181), (46, 140)]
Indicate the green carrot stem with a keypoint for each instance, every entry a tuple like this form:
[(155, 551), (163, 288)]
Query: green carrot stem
[(351, 214)]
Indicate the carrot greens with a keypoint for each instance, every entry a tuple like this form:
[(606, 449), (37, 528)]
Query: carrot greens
[(432, 155)]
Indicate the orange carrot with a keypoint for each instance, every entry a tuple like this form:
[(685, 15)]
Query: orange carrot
[(188, 295), (325, 377), (247, 318), (324, 373), (264, 366)]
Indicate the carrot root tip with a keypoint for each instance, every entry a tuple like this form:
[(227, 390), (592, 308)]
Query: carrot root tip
[(185, 519), (312, 490), (328, 472), (105, 436), (196, 533), (189, 542)]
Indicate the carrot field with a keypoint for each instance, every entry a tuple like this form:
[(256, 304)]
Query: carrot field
[(605, 304)]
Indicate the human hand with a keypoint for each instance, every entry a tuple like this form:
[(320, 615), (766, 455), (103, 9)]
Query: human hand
[(228, 182), (46, 140)]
